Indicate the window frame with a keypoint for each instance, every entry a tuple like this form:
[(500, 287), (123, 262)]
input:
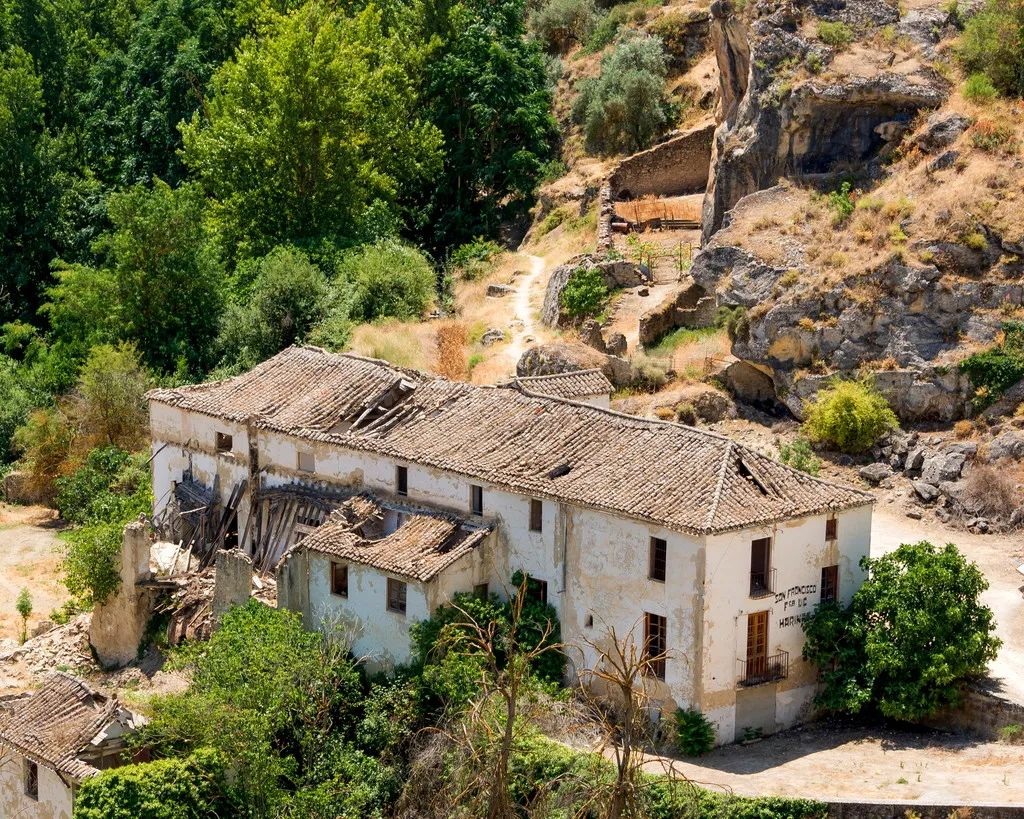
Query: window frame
[(397, 594), (476, 499), (30, 779), (831, 572), (337, 566), (657, 559), (312, 461), (223, 442), (401, 480), (536, 515), (831, 529), (655, 637)]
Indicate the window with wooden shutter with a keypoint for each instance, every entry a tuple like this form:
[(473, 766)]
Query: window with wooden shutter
[(655, 644), (396, 596), (657, 559), (829, 583), (476, 499), (536, 515), (832, 529), (339, 579), (757, 643)]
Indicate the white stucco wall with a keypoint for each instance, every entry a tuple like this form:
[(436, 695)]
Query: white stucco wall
[(54, 796), (799, 552)]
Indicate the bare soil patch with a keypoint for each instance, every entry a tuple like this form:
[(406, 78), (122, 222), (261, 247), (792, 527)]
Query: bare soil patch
[(29, 559)]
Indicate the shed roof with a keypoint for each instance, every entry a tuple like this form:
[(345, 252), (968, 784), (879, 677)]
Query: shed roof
[(672, 475), (572, 385), (423, 544)]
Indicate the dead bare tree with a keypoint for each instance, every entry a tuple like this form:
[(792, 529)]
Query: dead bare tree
[(618, 693)]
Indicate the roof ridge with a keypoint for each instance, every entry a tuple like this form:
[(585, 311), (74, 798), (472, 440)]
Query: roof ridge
[(716, 499), (587, 371)]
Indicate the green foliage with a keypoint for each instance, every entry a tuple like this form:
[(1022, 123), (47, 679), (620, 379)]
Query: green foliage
[(915, 631), (560, 23), (841, 203), (15, 403), (186, 788), (111, 486), (474, 259), (389, 279), (849, 415), (90, 561), (23, 605), (585, 293), (837, 35), (735, 321), (993, 44), (391, 717), (695, 735), (675, 28), (995, 370), (44, 441), (110, 407), (978, 88), (625, 108), (799, 455)]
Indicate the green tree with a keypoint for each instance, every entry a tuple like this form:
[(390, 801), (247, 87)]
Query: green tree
[(15, 403), (44, 441), (111, 486), (110, 407), (624, 108), (486, 91), (914, 633), (849, 415), (312, 132), (993, 44), (90, 561), (24, 607), (389, 279), (584, 293)]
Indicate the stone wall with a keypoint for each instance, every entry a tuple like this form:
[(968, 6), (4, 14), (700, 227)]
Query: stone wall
[(981, 713), (677, 166), (687, 306)]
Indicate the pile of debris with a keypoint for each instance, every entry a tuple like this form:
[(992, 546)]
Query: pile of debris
[(63, 647), (190, 605)]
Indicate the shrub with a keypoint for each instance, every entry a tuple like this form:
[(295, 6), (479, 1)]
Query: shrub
[(475, 259), (23, 605), (649, 374), (584, 293), (979, 88), (735, 321), (995, 370), (625, 108), (695, 735), (685, 413), (837, 35), (90, 561), (849, 415), (1012, 734), (674, 29), (110, 408), (799, 455), (914, 632), (963, 429), (841, 203), (992, 45), (994, 137), (187, 788), (389, 279), (560, 23), (15, 403), (111, 486), (45, 443), (990, 491)]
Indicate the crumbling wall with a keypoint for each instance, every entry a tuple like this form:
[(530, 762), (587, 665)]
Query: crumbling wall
[(677, 166), (233, 581), (687, 306), (119, 623)]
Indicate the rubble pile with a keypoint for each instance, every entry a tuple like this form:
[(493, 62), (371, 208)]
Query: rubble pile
[(61, 647)]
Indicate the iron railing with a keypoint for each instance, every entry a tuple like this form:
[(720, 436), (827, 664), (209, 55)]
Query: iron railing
[(762, 584), (764, 669)]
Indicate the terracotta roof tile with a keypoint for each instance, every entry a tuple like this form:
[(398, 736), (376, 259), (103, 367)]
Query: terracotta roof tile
[(571, 385), (666, 473)]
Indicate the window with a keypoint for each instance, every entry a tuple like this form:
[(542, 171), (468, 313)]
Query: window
[(224, 442), (757, 644), (476, 499), (307, 463), (829, 583), (31, 779), (396, 596), (655, 644), (656, 559), (760, 562), (589, 622), (536, 589), (832, 529), (536, 515), (481, 590), (339, 579), (402, 480)]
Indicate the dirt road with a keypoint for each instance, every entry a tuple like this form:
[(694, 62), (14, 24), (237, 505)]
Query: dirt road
[(997, 556), (523, 307), (28, 560)]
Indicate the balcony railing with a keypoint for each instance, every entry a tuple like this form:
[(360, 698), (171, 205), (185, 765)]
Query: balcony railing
[(758, 670), (762, 584)]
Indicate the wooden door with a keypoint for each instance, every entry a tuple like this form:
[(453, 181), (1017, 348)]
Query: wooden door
[(757, 643)]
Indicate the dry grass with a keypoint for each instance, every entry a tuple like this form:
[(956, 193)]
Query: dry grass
[(404, 344), (451, 350), (991, 490)]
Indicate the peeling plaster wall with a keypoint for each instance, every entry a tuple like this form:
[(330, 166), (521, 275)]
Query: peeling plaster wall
[(54, 796), (799, 552)]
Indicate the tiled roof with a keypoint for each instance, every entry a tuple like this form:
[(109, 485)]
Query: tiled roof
[(57, 723), (666, 473), (572, 385), (424, 544)]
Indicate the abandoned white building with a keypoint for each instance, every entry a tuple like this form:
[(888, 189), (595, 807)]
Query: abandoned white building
[(405, 488), (53, 739)]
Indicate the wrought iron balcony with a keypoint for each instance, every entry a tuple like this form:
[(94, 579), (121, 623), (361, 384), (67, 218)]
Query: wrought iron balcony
[(762, 584), (758, 670)]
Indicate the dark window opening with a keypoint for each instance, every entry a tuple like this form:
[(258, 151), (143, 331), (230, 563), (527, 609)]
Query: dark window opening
[(829, 583), (657, 559), (655, 644), (31, 779), (224, 442), (537, 590), (536, 515), (481, 590), (760, 567), (590, 621), (832, 529), (402, 480), (339, 579), (396, 596), (476, 499)]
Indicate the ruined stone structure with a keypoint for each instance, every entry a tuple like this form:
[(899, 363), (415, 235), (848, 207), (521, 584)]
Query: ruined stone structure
[(677, 165), (386, 491)]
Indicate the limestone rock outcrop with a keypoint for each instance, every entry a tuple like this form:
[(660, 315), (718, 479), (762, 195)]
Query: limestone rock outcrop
[(617, 274)]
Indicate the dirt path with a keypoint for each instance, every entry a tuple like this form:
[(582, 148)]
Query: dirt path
[(523, 310), (996, 556), (28, 560)]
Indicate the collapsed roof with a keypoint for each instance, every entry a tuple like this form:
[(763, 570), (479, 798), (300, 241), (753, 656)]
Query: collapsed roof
[(679, 477), (573, 385)]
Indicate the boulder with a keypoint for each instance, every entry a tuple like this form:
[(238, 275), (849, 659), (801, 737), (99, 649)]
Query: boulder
[(500, 290), (915, 460), (943, 161), (616, 273), (492, 336), (1009, 444), (942, 130), (941, 467), (615, 344), (560, 357), (875, 473), (590, 334), (926, 492)]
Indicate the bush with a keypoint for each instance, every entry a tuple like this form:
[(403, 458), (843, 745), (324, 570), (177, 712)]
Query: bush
[(110, 407), (994, 137), (695, 735), (44, 441), (474, 259), (990, 491), (15, 403), (837, 35), (625, 108), (841, 203), (111, 486), (979, 88), (648, 374), (735, 321), (914, 633), (389, 279), (674, 30), (992, 44), (560, 23), (188, 788), (994, 371), (849, 415), (799, 455), (584, 293), (90, 561)]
